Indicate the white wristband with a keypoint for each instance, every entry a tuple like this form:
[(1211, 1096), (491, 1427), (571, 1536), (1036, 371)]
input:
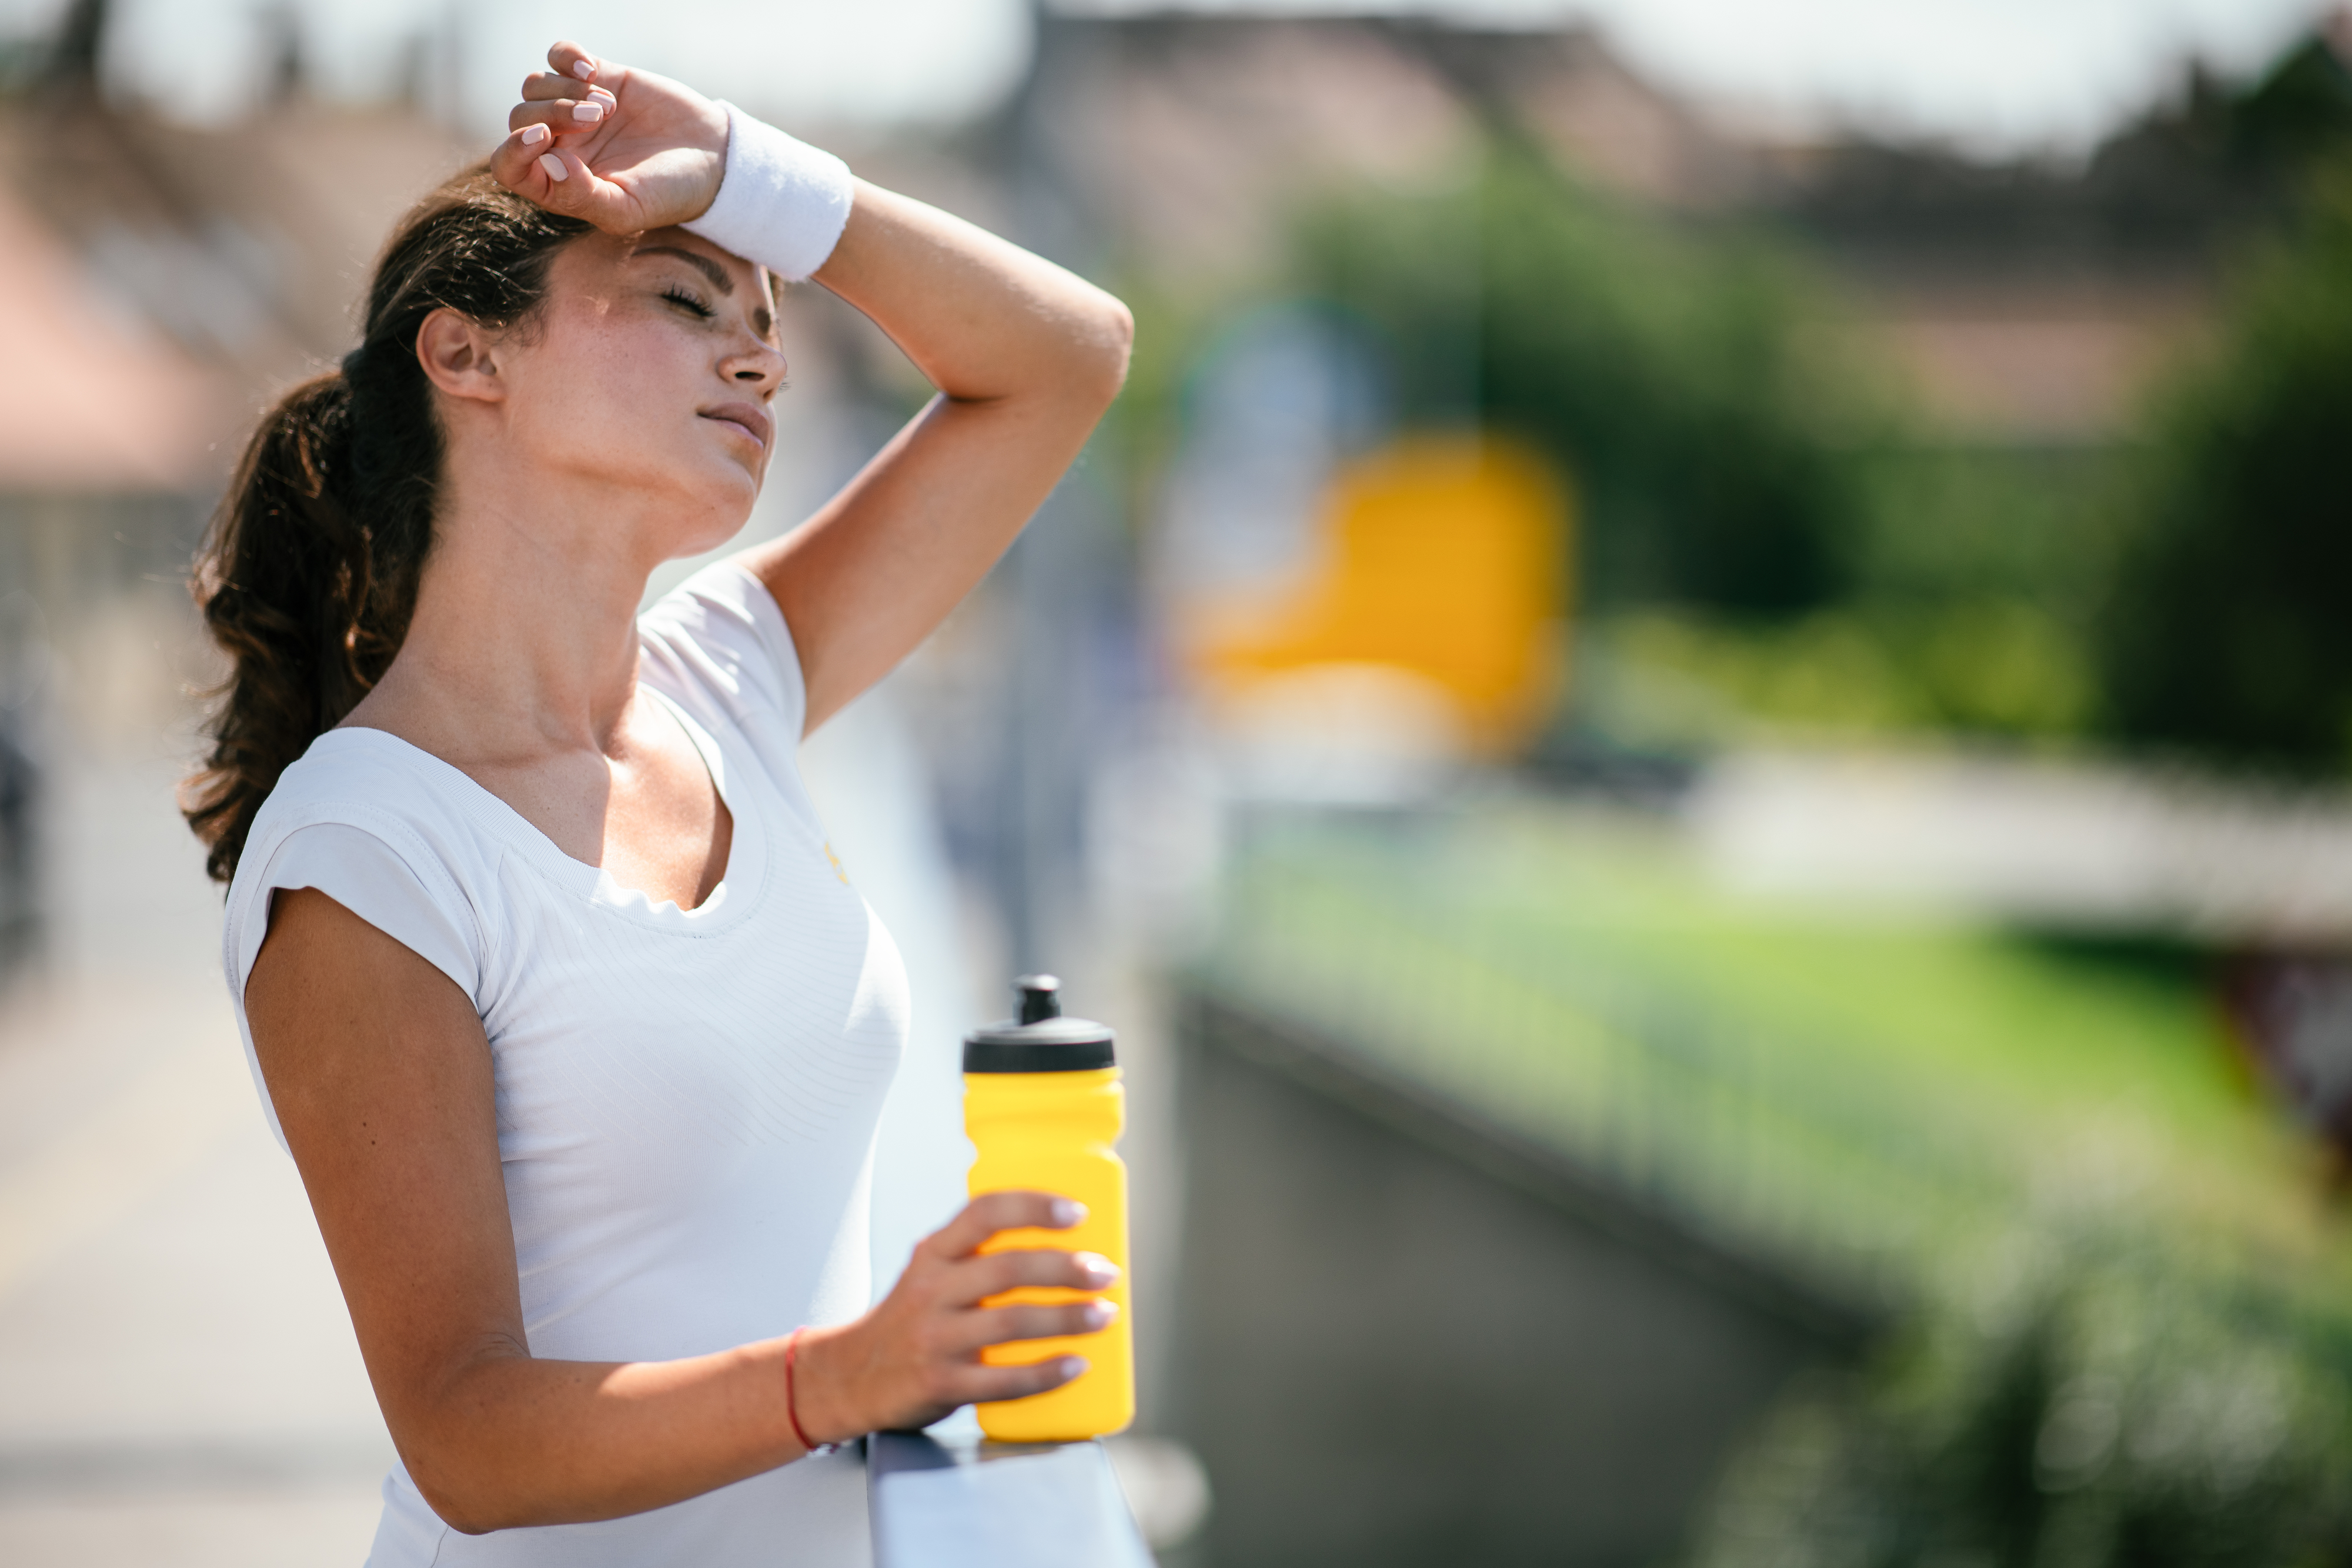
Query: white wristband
[(781, 203)]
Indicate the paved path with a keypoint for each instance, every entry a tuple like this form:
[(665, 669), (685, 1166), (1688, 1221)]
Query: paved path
[(178, 1381)]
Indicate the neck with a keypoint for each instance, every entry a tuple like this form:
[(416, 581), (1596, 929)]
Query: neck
[(524, 637)]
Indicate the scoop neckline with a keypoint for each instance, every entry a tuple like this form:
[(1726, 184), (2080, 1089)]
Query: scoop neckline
[(730, 899)]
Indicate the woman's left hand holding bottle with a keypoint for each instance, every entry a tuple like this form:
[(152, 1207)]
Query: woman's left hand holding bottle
[(917, 1355), (624, 150)]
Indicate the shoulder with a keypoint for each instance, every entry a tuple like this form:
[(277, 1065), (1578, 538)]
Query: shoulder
[(721, 637), (384, 830), (377, 783)]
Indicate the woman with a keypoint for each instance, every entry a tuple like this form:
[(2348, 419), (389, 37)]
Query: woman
[(555, 993)]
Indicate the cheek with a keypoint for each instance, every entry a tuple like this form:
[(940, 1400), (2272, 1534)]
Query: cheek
[(594, 398)]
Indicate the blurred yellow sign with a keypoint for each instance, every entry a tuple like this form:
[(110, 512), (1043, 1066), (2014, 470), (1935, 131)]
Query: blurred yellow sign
[(1440, 567)]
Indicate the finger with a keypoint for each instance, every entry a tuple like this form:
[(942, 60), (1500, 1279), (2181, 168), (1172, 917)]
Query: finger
[(514, 163), (557, 178), (562, 115), (977, 1278), (546, 84), (568, 58), (554, 177), (984, 1384), (986, 1215), (1005, 1325)]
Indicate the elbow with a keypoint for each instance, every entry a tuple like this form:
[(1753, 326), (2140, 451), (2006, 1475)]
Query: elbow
[(1120, 342), (1117, 331), (475, 1469), (453, 1508), (460, 1499), (475, 1485), (1108, 341)]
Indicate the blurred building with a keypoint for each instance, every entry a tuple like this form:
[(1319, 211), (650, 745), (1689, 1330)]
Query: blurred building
[(157, 284)]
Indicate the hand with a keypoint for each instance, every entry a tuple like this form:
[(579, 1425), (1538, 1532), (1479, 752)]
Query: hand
[(634, 150), (915, 1356)]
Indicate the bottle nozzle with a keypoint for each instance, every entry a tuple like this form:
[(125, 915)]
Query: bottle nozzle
[(1041, 998)]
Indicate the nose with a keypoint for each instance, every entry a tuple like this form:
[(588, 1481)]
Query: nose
[(756, 365)]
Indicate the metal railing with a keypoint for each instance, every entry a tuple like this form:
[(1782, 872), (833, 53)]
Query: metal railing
[(971, 1504)]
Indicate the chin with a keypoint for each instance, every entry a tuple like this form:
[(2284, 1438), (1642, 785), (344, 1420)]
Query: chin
[(713, 526)]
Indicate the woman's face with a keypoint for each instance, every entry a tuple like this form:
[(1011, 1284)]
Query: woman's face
[(648, 375)]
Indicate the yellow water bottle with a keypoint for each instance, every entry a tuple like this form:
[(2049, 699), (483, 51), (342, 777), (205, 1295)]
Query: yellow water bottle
[(1043, 1103)]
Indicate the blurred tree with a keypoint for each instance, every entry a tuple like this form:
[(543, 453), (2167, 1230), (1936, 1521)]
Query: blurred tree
[(2300, 109), (2226, 633), (1669, 375)]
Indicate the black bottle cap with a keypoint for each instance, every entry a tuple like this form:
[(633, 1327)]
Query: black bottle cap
[(1041, 1040)]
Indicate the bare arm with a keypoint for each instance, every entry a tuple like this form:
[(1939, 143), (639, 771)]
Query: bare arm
[(1026, 357), (381, 1077)]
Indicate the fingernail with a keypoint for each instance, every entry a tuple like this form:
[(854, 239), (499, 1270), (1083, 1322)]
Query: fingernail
[(554, 166), (1095, 1266), (591, 109), (1067, 1212), (604, 95), (584, 70), (1100, 1313), (533, 135), (1070, 1366)]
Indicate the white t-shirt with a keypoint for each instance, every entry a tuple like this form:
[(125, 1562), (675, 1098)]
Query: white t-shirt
[(687, 1099)]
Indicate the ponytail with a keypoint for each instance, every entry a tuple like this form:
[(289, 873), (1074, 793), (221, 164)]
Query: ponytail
[(308, 577)]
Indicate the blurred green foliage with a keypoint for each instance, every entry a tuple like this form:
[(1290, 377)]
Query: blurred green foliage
[(1768, 545), (1772, 546), (1819, 1085), (2126, 1343), (2226, 635), (2298, 112), (2087, 1415), (1672, 377), (1676, 683)]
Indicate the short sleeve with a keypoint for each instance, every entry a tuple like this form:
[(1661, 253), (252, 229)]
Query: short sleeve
[(409, 898), (721, 632)]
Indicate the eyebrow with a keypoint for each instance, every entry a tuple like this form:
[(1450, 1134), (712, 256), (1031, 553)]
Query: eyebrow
[(702, 264)]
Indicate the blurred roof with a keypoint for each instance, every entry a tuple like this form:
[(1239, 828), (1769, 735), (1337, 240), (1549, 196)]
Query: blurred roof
[(1191, 136), (156, 281), (94, 400)]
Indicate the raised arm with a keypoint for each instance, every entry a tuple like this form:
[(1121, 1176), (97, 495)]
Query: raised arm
[(1025, 356)]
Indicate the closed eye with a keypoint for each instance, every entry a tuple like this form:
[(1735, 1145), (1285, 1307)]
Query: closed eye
[(686, 301)]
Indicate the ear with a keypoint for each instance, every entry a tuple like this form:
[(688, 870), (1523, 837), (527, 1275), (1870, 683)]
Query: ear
[(460, 357)]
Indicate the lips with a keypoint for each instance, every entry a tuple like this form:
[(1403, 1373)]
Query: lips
[(752, 418)]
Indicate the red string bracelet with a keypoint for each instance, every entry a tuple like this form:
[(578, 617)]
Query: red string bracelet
[(792, 1414)]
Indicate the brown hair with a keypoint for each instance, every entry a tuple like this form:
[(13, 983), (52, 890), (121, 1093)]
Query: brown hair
[(308, 575)]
